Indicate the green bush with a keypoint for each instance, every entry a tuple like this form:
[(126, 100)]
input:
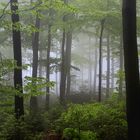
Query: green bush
[(70, 133), (107, 120), (74, 134), (88, 135)]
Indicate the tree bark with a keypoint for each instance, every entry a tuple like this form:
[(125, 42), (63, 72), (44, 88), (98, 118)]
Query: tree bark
[(48, 66), (56, 73), (19, 109), (63, 71), (35, 46), (19, 106), (100, 59), (121, 69), (112, 73), (40, 65), (108, 67), (95, 69), (68, 60), (90, 70), (131, 69)]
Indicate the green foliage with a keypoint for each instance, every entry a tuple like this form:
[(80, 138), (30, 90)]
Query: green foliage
[(33, 86), (73, 134), (95, 121), (32, 126), (51, 118), (70, 133), (11, 126), (120, 77), (88, 135), (6, 66), (107, 120)]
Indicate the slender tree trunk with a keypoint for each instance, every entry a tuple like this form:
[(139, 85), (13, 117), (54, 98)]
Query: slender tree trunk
[(90, 78), (63, 72), (82, 75), (100, 60), (48, 66), (95, 69), (112, 73), (35, 45), (19, 107), (121, 69), (40, 65), (131, 69), (108, 68), (56, 74), (68, 60), (40, 69), (90, 72)]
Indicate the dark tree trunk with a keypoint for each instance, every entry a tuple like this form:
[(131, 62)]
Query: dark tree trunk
[(100, 60), (19, 106), (82, 75), (68, 60), (48, 66), (19, 109), (63, 72), (40, 65), (56, 73), (95, 69), (90, 71), (63, 66), (131, 69), (121, 69), (112, 73), (35, 45), (108, 68)]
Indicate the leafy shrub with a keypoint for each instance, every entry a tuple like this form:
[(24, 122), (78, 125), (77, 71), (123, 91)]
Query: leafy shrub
[(29, 129), (88, 135), (70, 133), (74, 134), (107, 120)]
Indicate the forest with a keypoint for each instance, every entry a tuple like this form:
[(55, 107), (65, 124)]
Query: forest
[(69, 70)]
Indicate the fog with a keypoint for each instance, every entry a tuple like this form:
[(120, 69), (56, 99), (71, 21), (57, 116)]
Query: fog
[(82, 61)]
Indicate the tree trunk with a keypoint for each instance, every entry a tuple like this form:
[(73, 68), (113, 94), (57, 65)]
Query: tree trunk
[(35, 45), (82, 74), (100, 60), (121, 69), (19, 107), (48, 66), (112, 73), (95, 69), (68, 61), (108, 68), (56, 74), (40, 65), (90, 71), (131, 69), (63, 72)]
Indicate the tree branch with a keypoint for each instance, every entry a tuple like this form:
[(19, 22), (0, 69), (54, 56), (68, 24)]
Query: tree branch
[(3, 11)]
